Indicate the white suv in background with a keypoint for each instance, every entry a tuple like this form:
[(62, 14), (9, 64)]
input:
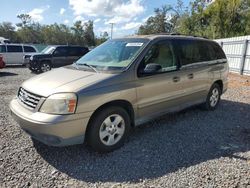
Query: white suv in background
[(13, 53)]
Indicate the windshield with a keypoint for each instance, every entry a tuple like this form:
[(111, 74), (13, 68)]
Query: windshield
[(48, 50), (113, 54)]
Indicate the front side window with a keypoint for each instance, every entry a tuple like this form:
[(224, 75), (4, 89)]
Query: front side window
[(16, 49), (160, 55), (61, 51), (113, 55)]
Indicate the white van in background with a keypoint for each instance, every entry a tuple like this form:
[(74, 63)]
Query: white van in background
[(13, 53)]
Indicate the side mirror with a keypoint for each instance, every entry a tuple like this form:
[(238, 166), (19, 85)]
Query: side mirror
[(152, 68)]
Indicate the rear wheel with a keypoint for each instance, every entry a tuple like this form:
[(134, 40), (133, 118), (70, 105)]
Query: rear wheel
[(213, 97), (108, 129), (45, 66)]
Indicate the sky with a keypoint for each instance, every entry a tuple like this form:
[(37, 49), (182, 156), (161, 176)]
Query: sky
[(127, 15)]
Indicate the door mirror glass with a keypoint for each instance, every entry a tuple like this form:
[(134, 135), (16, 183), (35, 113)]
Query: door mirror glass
[(152, 68)]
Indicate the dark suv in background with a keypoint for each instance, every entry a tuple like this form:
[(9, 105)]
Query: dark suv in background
[(54, 56)]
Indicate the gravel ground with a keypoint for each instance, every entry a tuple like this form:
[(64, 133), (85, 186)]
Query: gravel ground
[(192, 148)]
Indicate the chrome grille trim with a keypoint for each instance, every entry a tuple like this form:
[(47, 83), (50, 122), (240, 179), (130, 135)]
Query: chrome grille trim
[(29, 99)]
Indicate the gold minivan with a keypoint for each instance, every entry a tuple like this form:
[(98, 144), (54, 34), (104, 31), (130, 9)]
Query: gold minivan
[(120, 84)]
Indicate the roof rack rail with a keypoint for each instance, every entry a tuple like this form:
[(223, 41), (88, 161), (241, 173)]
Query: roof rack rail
[(200, 36), (175, 34), (161, 34)]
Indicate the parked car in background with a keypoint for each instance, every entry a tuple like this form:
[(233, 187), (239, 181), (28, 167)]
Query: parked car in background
[(13, 53), (2, 63), (54, 56), (119, 84)]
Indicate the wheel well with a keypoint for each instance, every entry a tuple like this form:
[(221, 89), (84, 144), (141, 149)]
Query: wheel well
[(220, 83), (120, 103), (46, 61)]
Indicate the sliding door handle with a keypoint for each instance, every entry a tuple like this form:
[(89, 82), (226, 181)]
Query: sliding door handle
[(176, 79), (191, 76)]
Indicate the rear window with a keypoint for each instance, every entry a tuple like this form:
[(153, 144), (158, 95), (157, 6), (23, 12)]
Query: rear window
[(14, 48), (29, 49), (2, 48)]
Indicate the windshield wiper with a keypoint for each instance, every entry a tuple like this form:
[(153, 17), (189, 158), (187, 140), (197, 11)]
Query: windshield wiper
[(90, 66)]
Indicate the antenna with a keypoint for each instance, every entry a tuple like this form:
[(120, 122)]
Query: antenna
[(111, 33)]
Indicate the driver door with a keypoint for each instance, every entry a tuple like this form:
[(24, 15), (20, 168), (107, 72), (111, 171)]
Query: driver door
[(60, 57), (160, 91)]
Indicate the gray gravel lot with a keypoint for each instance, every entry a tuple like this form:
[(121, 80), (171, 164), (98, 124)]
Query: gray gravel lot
[(192, 148)]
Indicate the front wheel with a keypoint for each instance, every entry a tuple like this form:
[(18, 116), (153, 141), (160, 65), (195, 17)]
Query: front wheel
[(213, 97), (108, 129), (45, 66)]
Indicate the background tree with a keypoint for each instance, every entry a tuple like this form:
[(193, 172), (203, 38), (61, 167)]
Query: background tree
[(220, 19), (89, 36), (7, 30), (25, 20), (78, 32), (102, 38), (164, 21)]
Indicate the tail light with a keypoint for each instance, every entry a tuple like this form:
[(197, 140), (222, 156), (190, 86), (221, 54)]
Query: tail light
[(2, 63)]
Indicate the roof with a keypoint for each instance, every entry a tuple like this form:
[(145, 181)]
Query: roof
[(168, 36)]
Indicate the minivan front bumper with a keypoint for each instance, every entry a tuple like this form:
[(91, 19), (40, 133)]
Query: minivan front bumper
[(54, 130)]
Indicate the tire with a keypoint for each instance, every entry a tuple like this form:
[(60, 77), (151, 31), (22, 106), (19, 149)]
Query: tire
[(104, 135), (44, 67), (31, 69), (213, 98)]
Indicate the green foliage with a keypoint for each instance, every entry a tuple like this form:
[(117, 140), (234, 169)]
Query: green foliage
[(221, 19), (165, 20), (25, 20), (31, 32), (103, 38), (7, 30)]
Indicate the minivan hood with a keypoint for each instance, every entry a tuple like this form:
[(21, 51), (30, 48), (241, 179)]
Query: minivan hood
[(62, 80)]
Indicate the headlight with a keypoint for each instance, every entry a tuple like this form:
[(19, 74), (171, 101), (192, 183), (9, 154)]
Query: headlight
[(31, 58), (60, 103)]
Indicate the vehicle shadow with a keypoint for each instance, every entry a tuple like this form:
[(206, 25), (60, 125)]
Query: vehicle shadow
[(165, 145), (2, 74)]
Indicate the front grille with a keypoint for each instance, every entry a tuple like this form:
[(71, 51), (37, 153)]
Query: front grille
[(28, 99)]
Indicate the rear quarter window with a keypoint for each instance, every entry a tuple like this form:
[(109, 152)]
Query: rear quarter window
[(219, 53), (29, 49), (14, 48)]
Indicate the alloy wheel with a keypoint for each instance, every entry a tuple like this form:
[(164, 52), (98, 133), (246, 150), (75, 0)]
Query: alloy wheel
[(112, 129)]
